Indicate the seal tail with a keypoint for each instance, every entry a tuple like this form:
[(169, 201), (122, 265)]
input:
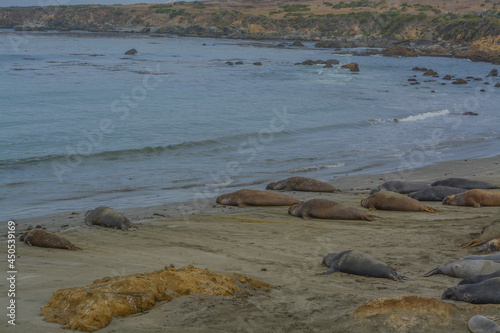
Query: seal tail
[(432, 272), (399, 277), (430, 210), (371, 217)]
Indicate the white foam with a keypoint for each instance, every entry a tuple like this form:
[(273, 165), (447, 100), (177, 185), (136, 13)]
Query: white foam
[(318, 167), (423, 116)]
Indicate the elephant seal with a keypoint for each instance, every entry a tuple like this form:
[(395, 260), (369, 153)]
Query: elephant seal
[(475, 198), (492, 245), (464, 183), (359, 263), (435, 193), (479, 278), (399, 187), (465, 268), (300, 184), (328, 209), (242, 198), (45, 238), (387, 200), (486, 292), (488, 233), (482, 324), (108, 217), (495, 257)]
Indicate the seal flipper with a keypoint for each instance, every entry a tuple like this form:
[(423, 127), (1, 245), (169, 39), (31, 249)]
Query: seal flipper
[(305, 216), (331, 270), (432, 272)]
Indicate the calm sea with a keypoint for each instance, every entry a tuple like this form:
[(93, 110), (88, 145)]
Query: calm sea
[(84, 125)]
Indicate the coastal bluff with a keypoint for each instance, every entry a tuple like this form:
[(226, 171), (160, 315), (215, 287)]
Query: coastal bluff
[(426, 27)]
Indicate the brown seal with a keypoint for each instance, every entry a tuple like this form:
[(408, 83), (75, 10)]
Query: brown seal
[(45, 238), (300, 184), (242, 198), (328, 209), (387, 200), (475, 198), (488, 233), (108, 217)]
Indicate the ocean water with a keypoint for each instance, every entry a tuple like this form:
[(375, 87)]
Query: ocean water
[(84, 125)]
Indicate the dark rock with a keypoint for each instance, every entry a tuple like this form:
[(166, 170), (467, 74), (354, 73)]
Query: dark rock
[(420, 69), (332, 62), (478, 79), (430, 72), (487, 83), (230, 63), (320, 62), (131, 51), (459, 81), (493, 72), (353, 67), (497, 85), (443, 84), (239, 63), (413, 80), (482, 90), (328, 66), (257, 63), (414, 83), (298, 43), (469, 113), (447, 77), (469, 77)]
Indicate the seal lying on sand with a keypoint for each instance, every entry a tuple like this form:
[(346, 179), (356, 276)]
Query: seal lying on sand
[(490, 232), (359, 263), (399, 187), (482, 324), (387, 200), (492, 245), (464, 183), (495, 256), (486, 292), (242, 198), (108, 217), (300, 184), (479, 278), (45, 238), (466, 268), (328, 209), (475, 198), (435, 193)]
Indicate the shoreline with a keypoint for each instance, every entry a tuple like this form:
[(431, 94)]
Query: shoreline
[(265, 243), (360, 181)]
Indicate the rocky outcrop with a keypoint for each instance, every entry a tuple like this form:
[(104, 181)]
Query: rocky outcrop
[(131, 51), (459, 81), (297, 43), (430, 72), (353, 67), (484, 49)]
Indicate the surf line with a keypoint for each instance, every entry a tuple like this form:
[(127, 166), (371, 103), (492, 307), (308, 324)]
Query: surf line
[(120, 107)]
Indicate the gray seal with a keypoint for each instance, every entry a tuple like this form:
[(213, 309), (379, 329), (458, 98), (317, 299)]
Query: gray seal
[(435, 193), (464, 183), (465, 268), (399, 187), (479, 278), (495, 256), (328, 209), (359, 263), (108, 217), (482, 324), (486, 292), (301, 184)]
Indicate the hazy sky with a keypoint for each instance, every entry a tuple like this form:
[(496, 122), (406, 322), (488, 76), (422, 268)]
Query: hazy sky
[(8, 3)]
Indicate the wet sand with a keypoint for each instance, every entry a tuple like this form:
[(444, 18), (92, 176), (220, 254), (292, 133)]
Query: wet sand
[(263, 243)]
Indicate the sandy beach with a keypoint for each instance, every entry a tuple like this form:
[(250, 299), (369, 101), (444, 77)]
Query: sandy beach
[(268, 244)]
